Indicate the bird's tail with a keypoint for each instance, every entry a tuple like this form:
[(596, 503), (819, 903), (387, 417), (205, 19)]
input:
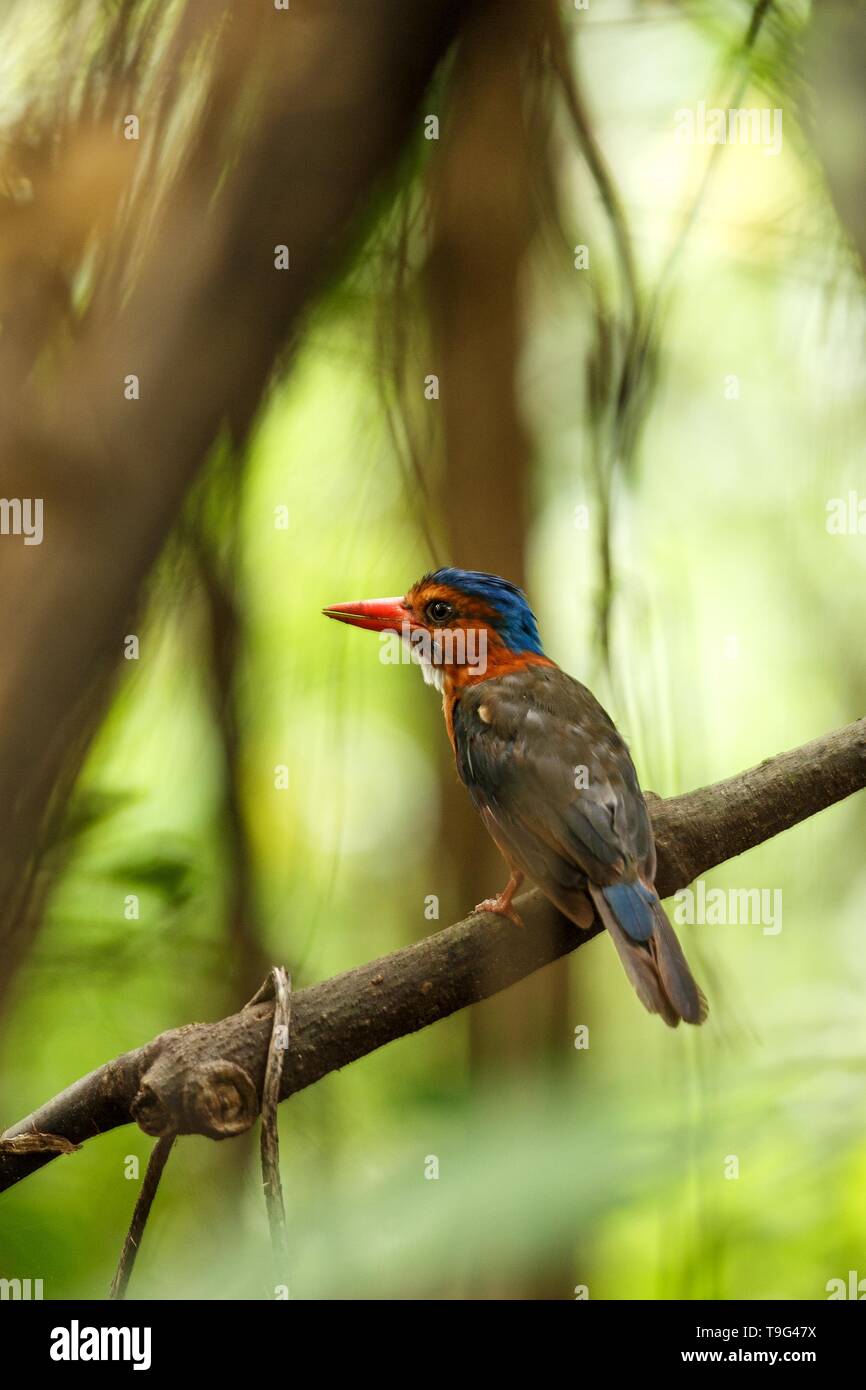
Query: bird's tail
[(650, 952)]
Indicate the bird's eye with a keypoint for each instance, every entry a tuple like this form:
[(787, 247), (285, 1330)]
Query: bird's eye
[(439, 611)]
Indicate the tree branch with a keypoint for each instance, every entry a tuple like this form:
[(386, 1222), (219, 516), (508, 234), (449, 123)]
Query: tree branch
[(206, 1078)]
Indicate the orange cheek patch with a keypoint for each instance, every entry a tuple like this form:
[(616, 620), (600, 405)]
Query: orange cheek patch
[(419, 598)]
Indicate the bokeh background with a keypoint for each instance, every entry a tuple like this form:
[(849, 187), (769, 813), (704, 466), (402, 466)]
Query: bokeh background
[(698, 389)]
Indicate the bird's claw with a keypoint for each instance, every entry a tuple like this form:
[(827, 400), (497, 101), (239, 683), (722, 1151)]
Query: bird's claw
[(501, 908)]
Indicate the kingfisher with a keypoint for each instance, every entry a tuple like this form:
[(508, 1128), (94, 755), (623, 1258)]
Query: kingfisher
[(545, 767)]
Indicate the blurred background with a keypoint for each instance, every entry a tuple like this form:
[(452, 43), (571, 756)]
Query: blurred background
[(647, 436)]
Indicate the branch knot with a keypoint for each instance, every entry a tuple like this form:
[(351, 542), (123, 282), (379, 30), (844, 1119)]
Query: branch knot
[(217, 1099)]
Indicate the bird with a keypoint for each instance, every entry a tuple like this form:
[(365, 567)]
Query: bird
[(546, 768)]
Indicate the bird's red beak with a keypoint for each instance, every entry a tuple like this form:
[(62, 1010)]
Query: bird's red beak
[(376, 614)]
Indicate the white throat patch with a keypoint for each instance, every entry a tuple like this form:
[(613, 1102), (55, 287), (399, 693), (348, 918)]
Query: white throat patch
[(433, 675)]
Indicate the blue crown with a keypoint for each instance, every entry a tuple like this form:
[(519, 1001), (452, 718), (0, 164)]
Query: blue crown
[(514, 620)]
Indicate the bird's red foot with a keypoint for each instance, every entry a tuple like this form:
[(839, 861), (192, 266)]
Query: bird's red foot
[(502, 909), (502, 905)]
